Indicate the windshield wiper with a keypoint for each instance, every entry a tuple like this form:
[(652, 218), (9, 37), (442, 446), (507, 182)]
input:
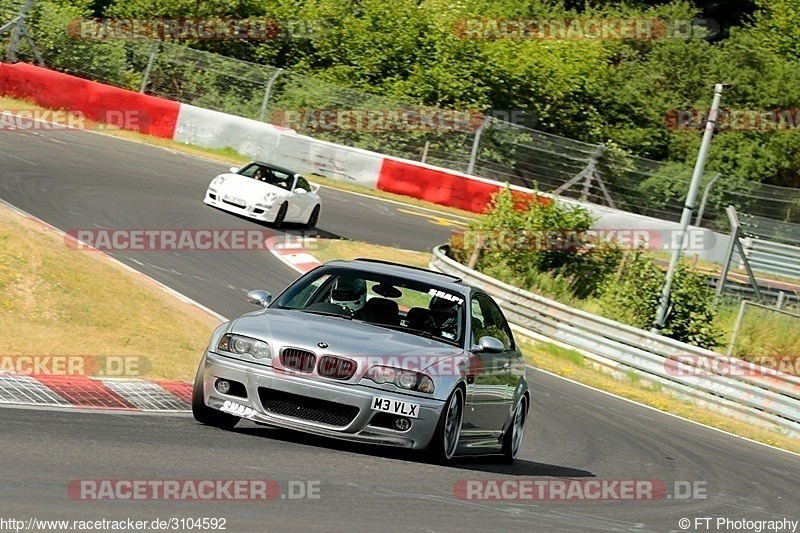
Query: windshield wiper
[(327, 313)]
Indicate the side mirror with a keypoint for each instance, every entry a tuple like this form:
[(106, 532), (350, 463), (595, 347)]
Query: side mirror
[(300, 190), (260, 298), (490, 345), (234, 170)]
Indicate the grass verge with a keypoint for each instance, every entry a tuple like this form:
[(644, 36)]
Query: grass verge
[(58, 301), (328, 249)]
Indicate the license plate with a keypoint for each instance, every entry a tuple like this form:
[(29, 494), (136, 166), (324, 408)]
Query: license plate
[(395, 407), (235, 201)]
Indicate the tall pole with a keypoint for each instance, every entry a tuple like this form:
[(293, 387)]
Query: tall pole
[(688, 207)]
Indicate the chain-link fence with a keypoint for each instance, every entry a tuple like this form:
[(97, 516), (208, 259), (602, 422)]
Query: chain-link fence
[(489, 148), (770, 229)]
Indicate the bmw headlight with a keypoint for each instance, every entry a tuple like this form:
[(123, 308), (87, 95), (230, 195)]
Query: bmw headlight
[(241, 345), (403, 379)]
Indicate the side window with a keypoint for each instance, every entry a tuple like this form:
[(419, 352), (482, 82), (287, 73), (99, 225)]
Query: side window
[(283, 180), (494, 323), (302, 183), (477, 320)]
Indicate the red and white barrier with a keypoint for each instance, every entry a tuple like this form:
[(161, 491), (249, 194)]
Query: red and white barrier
[(55, 90)]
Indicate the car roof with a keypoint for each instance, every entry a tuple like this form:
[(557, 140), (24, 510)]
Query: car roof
[(276, 167), (404, 271)]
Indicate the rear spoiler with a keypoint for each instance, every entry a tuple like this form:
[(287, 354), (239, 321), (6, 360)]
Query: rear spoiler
[(314, 186)]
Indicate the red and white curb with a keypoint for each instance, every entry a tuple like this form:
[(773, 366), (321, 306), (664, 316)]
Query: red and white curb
[(295, 254), (101, 393)]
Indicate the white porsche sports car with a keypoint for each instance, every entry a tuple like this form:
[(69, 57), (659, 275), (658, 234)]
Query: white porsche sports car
[(266, 192)]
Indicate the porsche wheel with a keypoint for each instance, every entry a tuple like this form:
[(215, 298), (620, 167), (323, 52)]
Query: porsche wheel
[(281, 215), (445, 439), (512, 441), (313, 218), (204, 414)]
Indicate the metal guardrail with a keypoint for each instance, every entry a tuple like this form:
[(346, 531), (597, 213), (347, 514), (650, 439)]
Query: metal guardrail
[(772, 257), (770, 400)]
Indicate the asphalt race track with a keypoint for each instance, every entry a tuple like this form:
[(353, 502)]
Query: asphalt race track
[(75, 179)]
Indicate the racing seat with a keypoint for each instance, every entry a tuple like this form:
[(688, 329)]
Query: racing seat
[(418, 318), (381, 311)]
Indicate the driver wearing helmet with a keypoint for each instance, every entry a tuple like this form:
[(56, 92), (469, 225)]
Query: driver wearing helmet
[(444, 316), (349, 293)]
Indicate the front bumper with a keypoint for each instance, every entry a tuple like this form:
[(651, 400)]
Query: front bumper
[(367, 425), (255, 211)]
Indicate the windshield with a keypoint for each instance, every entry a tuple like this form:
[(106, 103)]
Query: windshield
[(268, 175), (418, 308)]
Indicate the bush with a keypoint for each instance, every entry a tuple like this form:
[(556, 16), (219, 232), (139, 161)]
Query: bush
[(527, 237), (632, 298)]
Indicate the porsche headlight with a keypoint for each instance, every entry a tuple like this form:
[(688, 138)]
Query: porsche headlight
[(219, 180), (269, 198), (241, 345), (403, 379)]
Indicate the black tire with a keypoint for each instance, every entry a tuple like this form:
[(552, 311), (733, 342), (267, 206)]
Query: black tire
[(444, 443), (281, 215), (204, 414), (512, 440), (313, 218)]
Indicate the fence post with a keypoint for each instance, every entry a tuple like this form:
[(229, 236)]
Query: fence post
[(587, 175), (705, 199), (475, 143), (737, 325), (18, 29), (266, 94), (153, 54)]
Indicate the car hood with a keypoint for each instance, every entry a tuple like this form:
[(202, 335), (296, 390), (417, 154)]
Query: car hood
[(243, 187), (367, 344)]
